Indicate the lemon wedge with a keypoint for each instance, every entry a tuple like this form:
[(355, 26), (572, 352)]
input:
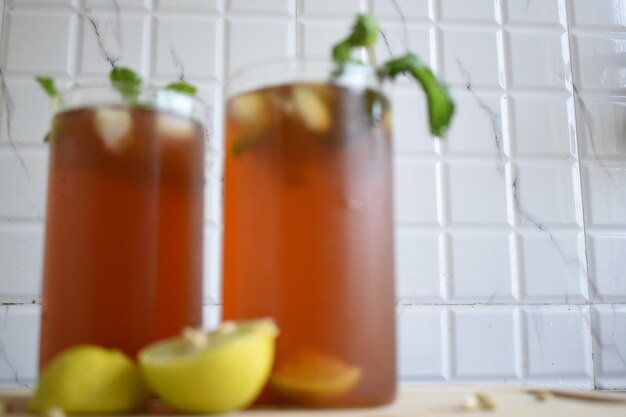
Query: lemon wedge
[(214, 372), (89, 379), (309, 376)]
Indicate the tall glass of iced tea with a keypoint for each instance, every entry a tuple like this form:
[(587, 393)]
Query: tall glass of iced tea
[(308, 228), (123, 242)]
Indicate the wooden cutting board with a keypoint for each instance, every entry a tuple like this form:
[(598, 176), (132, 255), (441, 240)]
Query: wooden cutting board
[(441, 401)]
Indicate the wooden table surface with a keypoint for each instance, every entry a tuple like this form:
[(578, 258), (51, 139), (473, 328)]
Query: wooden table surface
[(442, 401)]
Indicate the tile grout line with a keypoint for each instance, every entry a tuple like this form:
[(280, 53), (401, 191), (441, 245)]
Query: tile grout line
[(3, 42), (148, 42), (564, 12)]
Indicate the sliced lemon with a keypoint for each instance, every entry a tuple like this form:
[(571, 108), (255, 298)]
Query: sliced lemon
[(311, 109), (89, 379), (214, 372), (310, 376)]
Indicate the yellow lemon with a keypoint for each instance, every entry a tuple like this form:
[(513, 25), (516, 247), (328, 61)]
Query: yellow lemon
[(214, 372), (310, 376), (89, 379)]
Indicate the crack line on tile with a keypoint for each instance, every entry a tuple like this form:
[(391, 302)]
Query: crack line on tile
[(9, 109), (386, 41), (3, 352), (531, 218), (109, 57), (405, 32), (590, 128), (117, 31), (494, 116), (178, 64)]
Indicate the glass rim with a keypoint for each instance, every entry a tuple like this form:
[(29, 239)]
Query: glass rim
[(314, 69), (149, 96)]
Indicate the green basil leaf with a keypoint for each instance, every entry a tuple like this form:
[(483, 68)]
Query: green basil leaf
[(182, 87)]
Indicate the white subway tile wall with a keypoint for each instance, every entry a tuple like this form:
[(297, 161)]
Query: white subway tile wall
[(510, 234)]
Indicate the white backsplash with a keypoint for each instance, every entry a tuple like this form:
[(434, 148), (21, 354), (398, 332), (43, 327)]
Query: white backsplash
[(511, 233)]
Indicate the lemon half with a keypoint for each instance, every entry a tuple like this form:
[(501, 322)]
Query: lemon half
[(311, 377), (89, 379), (214, 372)]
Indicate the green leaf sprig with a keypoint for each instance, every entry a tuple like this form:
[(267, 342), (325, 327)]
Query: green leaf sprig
[(440, 102), (365, 34), (50, 88), (182, 87), (125, 80)]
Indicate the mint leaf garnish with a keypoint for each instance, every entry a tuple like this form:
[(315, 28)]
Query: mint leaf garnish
[(182, 87), (365, 34), (48, 85), (440, 103), (126, 81)]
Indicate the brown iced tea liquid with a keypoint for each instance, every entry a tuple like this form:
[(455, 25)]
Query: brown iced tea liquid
[(123, 248), (308, 239)]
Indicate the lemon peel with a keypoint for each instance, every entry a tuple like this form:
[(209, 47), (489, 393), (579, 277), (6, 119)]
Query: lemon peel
[(310, 376), (89, 379), (214, 372)]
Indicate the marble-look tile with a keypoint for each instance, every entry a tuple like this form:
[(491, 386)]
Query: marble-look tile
[(117, 6), (598, 62), (402, 9), (21, 253), (604, 190), (28, 118), (532, 12), (471, 52), (173, 54), (487, 255), (484, 343), (605, 14), (316, 37), (19, 345), (396, 38), (411, 133), (274, 7), (190, 6), (28, 52), (542, 126), (108, 41), (601, 126), (467, 11), (559, 345), (607, 276), (418, 266), (477, 194), (24, 196), (609, 341), (253, 40), (212, 264), (477, 127), (419, 361), (552, 267), (418, 181), (536, 59), (211, 316), (545, 194), (213, 190), (346, 8)]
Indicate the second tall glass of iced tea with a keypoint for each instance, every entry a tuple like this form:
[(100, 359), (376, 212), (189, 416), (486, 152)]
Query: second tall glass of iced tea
[(308, 228), (123, 246)]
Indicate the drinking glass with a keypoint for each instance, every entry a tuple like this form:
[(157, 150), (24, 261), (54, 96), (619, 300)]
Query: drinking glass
[(308, 228), (124, 235)]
